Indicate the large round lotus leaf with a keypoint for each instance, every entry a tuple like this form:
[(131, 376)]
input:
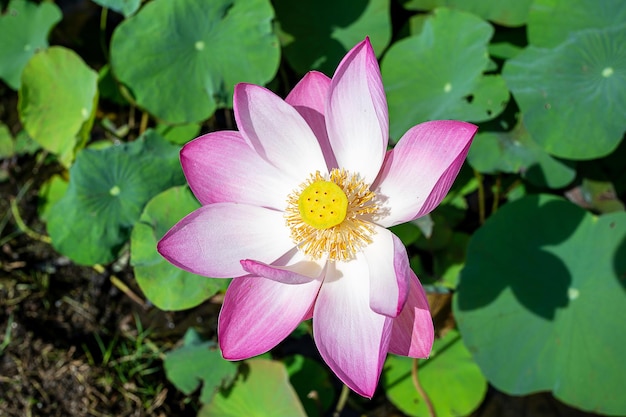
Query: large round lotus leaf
[(261, 390), (506, 13), (516, 152), (107, 192), (438, 74), (125, 7), (57, 101), (572, 96), (317, 34), (551, 22), (450, 378), (542, 300), (24, 28), (198, 362), (167, 287), (181, 59)]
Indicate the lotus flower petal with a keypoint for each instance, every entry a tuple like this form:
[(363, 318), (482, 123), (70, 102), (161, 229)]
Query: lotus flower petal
[(418, 173), (308, 97), (295, 206), (413, 331), (293, 268), (259, 313), (276, 131), (212, 240), (356, 113), (351, 338), (389, 272), (218, 166)]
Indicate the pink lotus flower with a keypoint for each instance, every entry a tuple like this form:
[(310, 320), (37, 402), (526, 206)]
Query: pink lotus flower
[(296, 205)]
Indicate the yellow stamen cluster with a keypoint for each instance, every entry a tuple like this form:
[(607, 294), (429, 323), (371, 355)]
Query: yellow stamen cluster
[(323, 204), (331, 217)]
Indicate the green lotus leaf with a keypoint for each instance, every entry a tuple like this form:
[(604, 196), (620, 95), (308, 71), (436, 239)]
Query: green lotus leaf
[(487, 99), (317, 34), (7, 147), (450, 378), (24, 144), (516, 152), (57, 101), (506, 13), (439, 74), (50, 193), (198, 362), (179, 134), (551, 22), (407, 232), (166, 286), (107, 192), (449, 262), (572, 96), (181, 59), (504, 50), (24, 30), (542, 298), (261, 390), (108, 87), (125, 7)]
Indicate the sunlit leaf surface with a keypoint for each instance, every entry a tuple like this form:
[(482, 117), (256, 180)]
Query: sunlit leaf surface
[(451, 379), (24, 30), (506, 13), (57, 101), (107, 192), (198, 362), (125, 7), (516, 152), (542, 299), (572, 96), (551, 22), (181, 59), (439, 75), (262, 389)]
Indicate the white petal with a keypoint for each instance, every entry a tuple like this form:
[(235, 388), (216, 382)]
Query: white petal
[(356, 113), (292, 268), (259, 313), (419, 171), (222, 167), (389, 272), (351, 338), (212, 240), (413, 332), (277, 132)]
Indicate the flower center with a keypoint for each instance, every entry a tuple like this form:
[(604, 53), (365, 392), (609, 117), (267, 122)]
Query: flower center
[(331, 216), (323, 204)]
